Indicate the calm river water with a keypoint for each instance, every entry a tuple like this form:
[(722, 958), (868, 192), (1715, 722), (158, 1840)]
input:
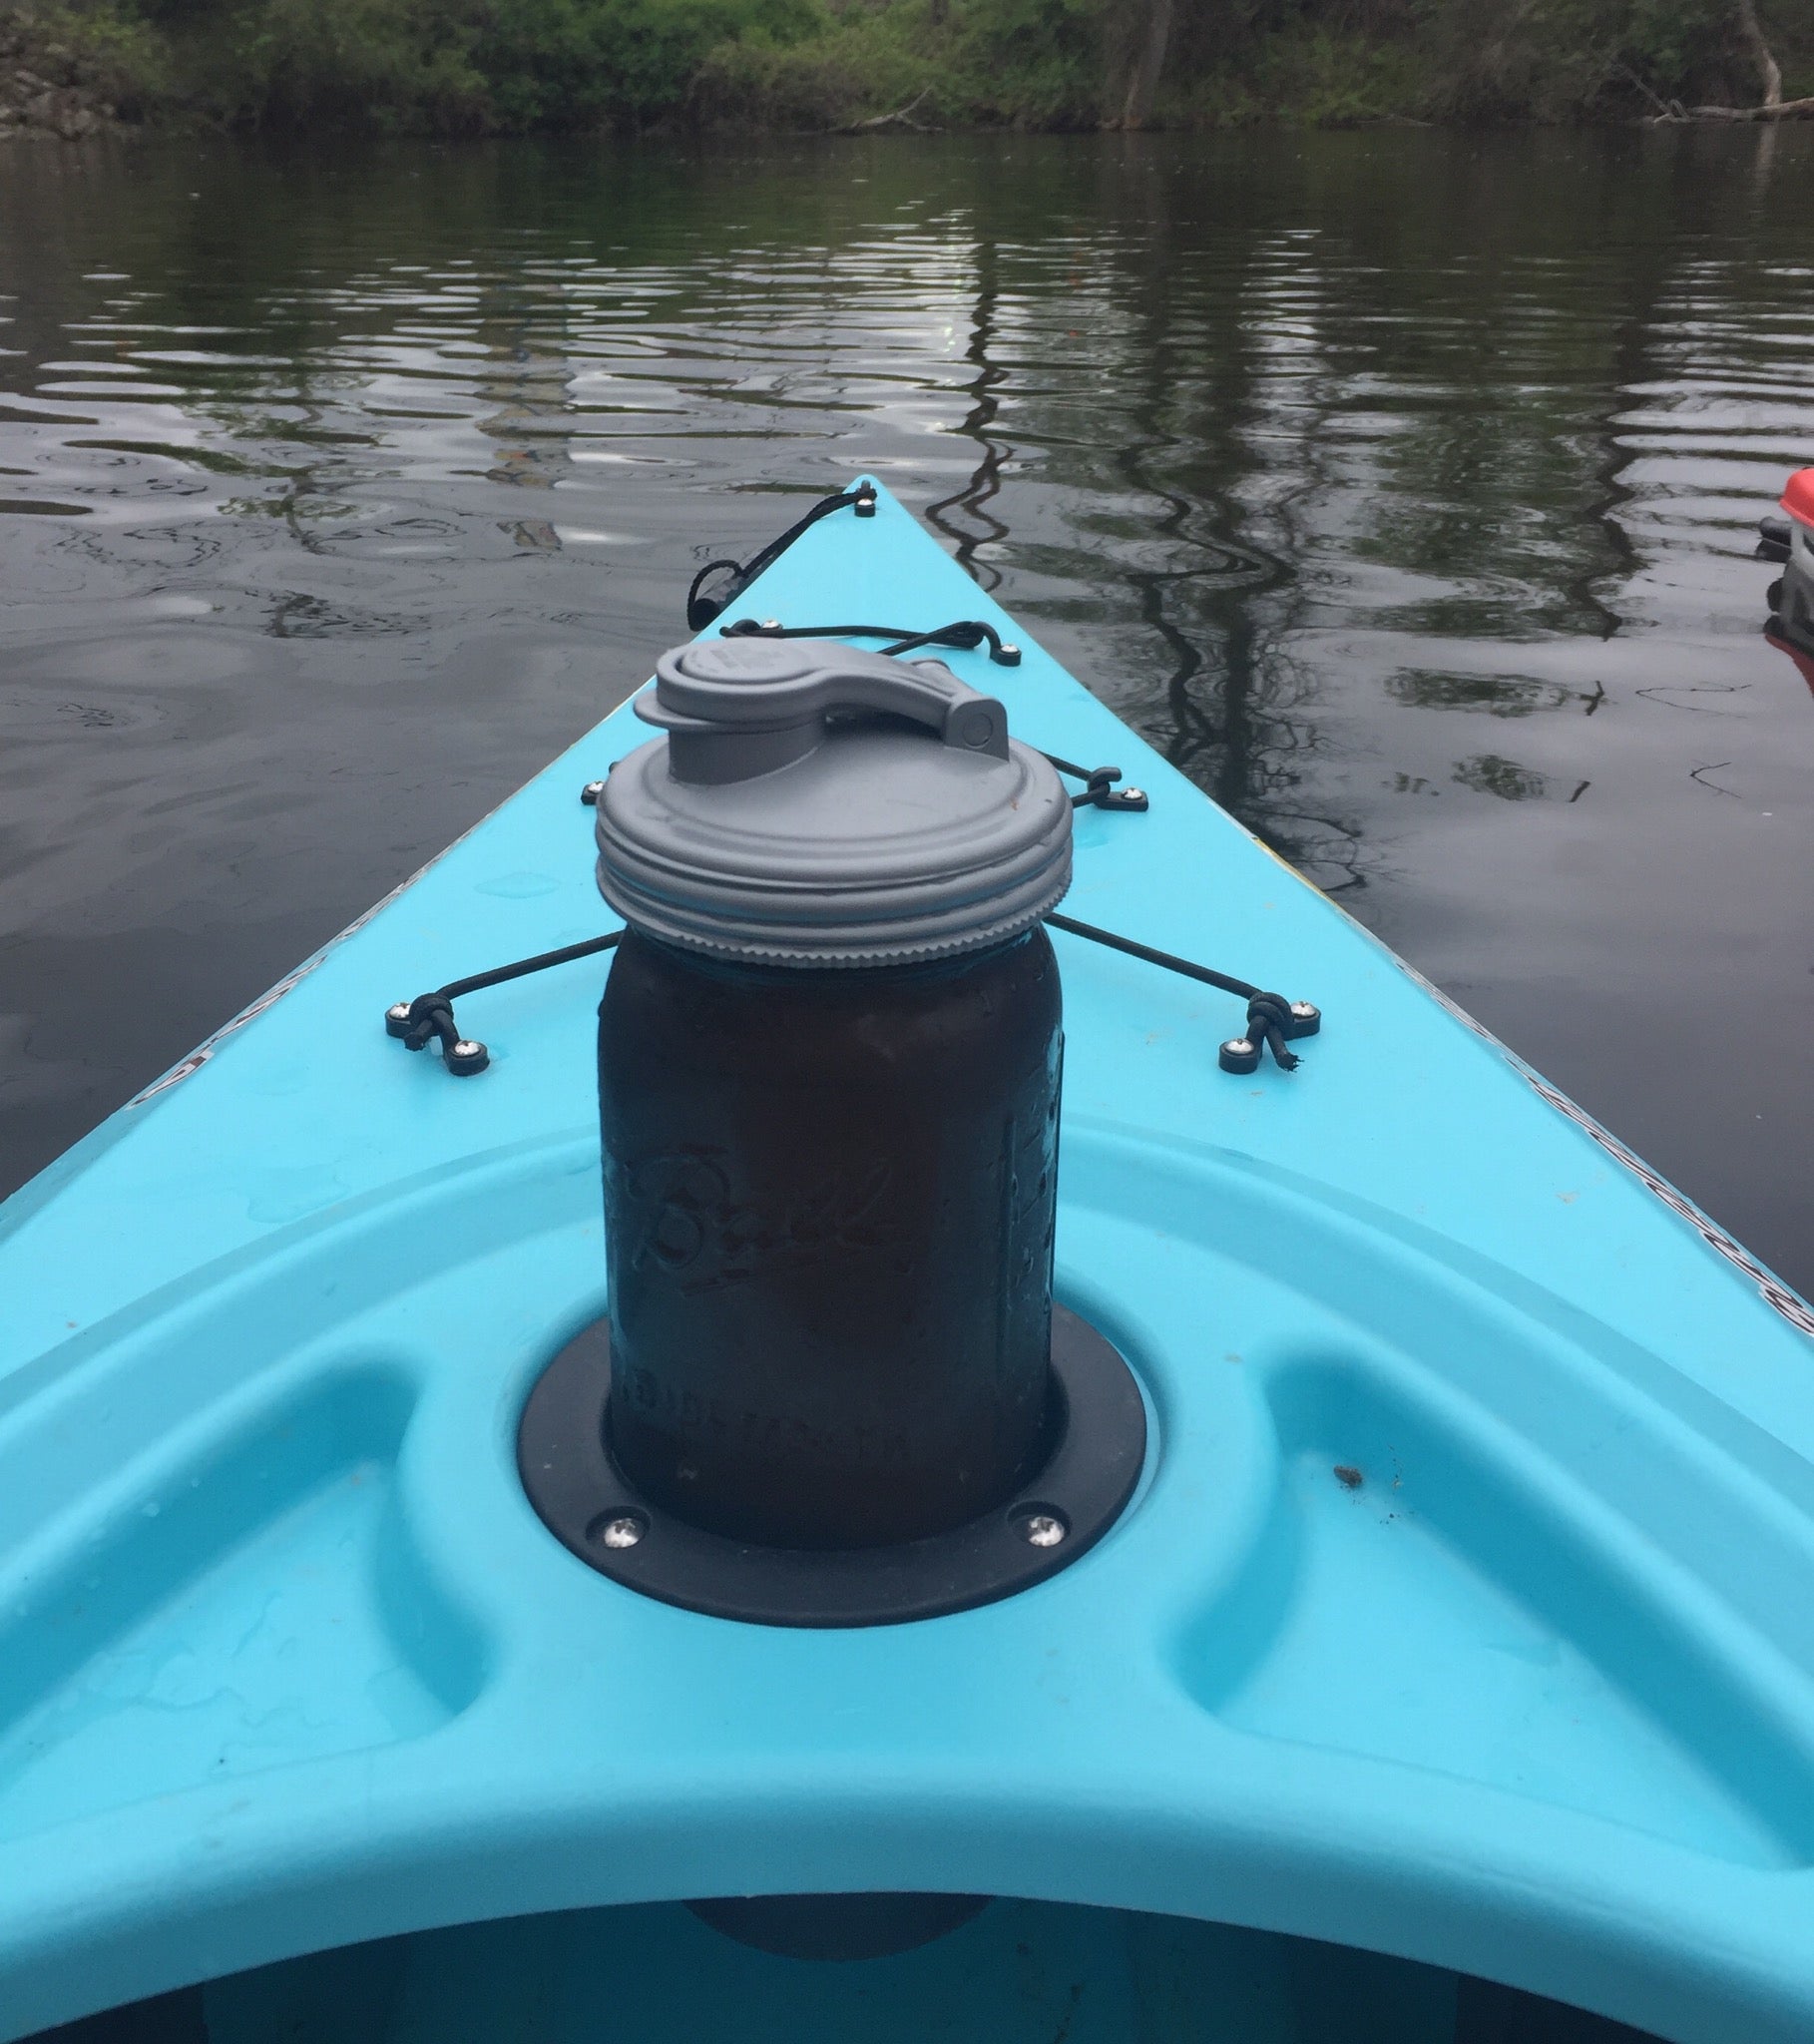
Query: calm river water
[(1398, 486)]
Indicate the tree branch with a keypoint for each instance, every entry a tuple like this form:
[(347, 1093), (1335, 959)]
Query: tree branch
[(901, 117), (1781, 110), (1148, 63), (1753, 39)]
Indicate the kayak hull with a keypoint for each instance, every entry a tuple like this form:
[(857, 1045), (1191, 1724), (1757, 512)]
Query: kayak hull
[(1457, 1615)]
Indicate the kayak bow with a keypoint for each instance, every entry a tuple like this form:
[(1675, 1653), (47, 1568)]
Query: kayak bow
[(1460, 1613)]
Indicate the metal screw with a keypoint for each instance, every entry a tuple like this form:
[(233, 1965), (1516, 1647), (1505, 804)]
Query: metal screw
[(771, 624), (1239, 1047), (399, 1011), (1303, 1010), (590, 792), (624, 1531), (1134, 795), (466, 1049), (1009, 650), (1041, 1529)]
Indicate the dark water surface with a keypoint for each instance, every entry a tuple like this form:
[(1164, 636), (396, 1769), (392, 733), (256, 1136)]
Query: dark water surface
[(1399, 487)]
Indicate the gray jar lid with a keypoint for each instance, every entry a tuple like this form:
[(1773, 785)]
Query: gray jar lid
[(812, 805)]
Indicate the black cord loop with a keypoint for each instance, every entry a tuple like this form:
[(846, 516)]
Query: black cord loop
[(965, 635), (1271, 1019), (1268, 1022), (431, 1014), (700, 609), (1099, 790), (427, 1016)]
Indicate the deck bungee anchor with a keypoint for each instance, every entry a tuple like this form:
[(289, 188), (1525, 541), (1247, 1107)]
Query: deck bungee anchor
[(430, 1016)]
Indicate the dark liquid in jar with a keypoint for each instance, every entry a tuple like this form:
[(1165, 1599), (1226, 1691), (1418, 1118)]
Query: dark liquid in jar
[(829, 1205)]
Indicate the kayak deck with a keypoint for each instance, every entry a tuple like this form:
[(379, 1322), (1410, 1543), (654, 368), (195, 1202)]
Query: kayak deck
[(1462, 1614)]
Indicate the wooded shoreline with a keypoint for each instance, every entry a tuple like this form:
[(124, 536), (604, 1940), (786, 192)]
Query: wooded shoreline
[(71, 68)]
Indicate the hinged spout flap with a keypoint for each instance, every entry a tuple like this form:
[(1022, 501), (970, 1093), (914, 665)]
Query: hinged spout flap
[(813, 804), (738, 707)]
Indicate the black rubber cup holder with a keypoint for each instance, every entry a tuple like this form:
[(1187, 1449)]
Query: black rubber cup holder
[(1100, 1442)]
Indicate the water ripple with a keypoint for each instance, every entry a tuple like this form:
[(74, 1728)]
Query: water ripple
[(1400, 488)]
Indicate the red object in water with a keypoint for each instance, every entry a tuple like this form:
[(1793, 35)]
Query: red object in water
[(1803, 661), (1798, 496)]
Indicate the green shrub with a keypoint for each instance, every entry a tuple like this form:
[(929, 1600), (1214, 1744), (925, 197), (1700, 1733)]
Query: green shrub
[(569, 63), (453, 65), (858, 67), (111, 55), (1033, 63)]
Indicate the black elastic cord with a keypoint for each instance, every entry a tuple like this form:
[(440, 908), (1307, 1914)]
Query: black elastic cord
[(431, 1014), (478, 981), (701, 610), (1099, 790), (964, 635), (1169, 959), (1271, 1019)]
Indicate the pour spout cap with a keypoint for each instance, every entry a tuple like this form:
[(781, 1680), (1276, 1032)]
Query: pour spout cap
[(738, 708)]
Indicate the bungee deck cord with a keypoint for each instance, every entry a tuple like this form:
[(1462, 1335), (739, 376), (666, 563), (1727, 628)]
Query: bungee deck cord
[(964, 636), (702, 608), (431, 1014), (1273, 1022)]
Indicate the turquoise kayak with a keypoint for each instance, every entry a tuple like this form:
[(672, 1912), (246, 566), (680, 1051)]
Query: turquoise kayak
[(1453, 1648)]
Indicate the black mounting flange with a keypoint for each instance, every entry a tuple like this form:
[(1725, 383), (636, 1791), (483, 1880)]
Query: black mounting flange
[(1098, 1436)]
